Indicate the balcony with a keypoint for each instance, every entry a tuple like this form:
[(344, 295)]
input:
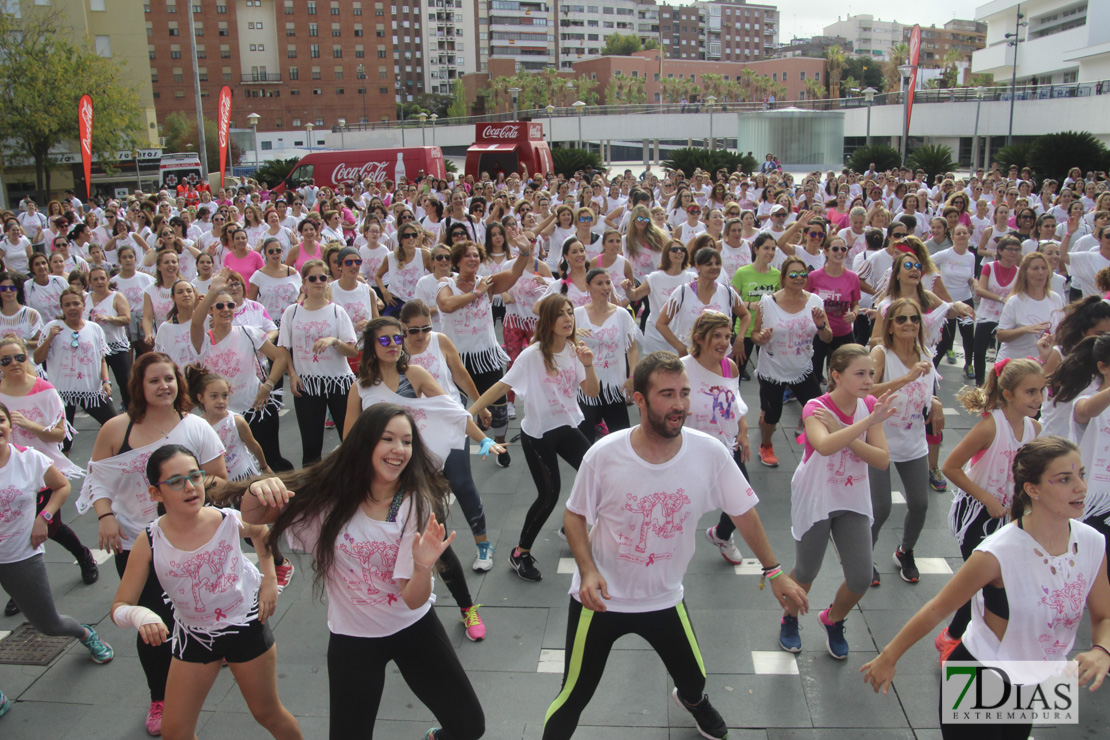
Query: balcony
[(254, 77)]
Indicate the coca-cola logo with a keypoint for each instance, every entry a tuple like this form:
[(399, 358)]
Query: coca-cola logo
[(373, 171), (86, 126), (535, 131), (225, 118), (508, 131)]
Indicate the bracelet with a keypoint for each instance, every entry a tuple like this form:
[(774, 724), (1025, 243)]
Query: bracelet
[(269, 384), (486, 444), (110, 513), (585, 365), (1096, 646), (770, 568), (105, 380), (425, 566)]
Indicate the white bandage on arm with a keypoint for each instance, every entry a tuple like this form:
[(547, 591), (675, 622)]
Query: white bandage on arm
[(134, 616)]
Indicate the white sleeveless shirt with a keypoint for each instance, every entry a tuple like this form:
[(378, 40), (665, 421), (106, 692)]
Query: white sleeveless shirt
[(905, 430), (241, 464), (433, 360), (716, 407), (115, 335)]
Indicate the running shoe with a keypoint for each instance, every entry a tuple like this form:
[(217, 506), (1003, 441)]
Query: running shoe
[(484, 560), (767, 456), (100, 651), (328, 423), (475, 627), (789, 639), (602, 429), (432, 734), (89, 572), (950, 356), (834, 636), (907, 568), (512, 411), (937, 480), (729, 551), (11, 608), (708, 720), (284, 574), (154, 718), (503, 459), (875, 580), (5, 705), (788, 396), (525, 565), (969, 372), (562, 533), (945, 643)]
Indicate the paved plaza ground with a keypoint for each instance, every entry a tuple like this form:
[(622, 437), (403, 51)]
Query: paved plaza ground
[(763, 692)]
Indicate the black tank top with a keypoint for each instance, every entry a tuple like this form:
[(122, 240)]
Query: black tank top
[(125, 445)]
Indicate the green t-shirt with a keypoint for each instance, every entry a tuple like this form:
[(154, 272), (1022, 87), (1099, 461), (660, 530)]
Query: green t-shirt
[(752, 286)]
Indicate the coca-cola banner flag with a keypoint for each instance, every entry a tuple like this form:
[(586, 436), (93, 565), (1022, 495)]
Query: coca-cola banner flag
[(915, 55), (84, 127), (223, 128)]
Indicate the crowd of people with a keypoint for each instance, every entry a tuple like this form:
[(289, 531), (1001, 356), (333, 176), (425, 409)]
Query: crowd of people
[(377, 307)]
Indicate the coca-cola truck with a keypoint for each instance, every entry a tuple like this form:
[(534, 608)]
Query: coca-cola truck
[(331, 168), (508, 147)]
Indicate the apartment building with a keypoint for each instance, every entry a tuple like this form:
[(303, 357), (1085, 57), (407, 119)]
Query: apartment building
[(964, 36), (870, 37), (1065, 41)]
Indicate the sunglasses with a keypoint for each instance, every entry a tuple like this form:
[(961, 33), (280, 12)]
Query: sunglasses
[(899, 235), (75, 340), (177, 482), (7, 360), (352, 263), (797, 274), (224, 306), (678, 249), (641, 219), (816, 235), (585, 219), (397, 339), (915, 319), (8, 288), (441, 257), (907, 265), (274, 251), (838, 249), (317, 278), (412, 330)]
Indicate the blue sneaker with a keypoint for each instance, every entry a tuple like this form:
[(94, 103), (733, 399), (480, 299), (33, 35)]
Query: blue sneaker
[(100, 651), (484, 560), (834, 641), (787, 396), (5, 705), (789, 639)]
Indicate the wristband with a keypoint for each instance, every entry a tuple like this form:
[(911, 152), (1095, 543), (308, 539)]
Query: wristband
[(110, 513), (423, 566), (486, 444), (135, 616), (1096, 646), (269, 384)]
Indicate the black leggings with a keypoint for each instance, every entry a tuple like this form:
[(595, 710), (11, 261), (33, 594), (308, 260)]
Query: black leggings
[(543, 456), (427, 662), (312, 410), (59, 531), (265, 429), (155, 660), (770, 395), (499, 409), (102, 412), (615, 416), (974, 536), (822, 351), (452, 574), (120, 363), (984, 339), (590, 638), (975, 732), (948, 338), (725, 526)]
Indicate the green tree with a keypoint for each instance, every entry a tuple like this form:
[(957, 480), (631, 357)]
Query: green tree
[(868, 71), (899, 54), (814, 90), (180, 132), (42, 78), (457, 109), (834, 64), (621, 45)]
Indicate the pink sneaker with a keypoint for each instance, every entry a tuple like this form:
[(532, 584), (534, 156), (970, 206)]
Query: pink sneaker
[(284, 574), (154, 718), (475, 628)]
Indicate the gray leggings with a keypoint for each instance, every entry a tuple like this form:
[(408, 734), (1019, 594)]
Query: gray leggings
[(26, 583), (915, 477), (850, 533)]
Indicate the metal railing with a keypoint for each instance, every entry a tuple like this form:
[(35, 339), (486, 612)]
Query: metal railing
[(921, 97), (262, 77)]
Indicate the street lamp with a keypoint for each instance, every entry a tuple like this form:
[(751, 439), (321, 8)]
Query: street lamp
[(361, 73), (342, 122), (905, 70), (253, 119), (570, 88), (711, 101), (550, 125), (308, 127), (975, 139), (578, 106), (422, 117), (433, 118), (515, 92), (138, 177), (869, 96)]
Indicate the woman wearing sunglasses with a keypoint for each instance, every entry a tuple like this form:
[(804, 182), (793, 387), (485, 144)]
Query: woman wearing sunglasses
[(317, 336), (372, 249), (784, 326), (428, 286), (75, 351), (658, 287), (275, 285), (812, 230), (17, 320), (706, 293), (840, 289), (109, 309), (1032, 310), (993, 286), (275, 230), (403, 267)]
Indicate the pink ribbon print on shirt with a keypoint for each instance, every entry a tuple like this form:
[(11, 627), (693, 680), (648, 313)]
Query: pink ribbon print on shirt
[(364, 590)]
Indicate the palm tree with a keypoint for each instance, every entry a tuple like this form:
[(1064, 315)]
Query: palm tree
[(814, 90), (899, 53), (951, 71), (834, 66), (749, 76)]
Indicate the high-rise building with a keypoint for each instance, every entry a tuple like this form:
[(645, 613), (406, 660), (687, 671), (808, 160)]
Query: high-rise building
[(965, 37), (521, 30), (583, 27), (736, 31), (870, 37)]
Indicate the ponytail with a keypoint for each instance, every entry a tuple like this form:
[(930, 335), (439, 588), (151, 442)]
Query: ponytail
[(1004, 376), (1030, 464), (1079, 368)]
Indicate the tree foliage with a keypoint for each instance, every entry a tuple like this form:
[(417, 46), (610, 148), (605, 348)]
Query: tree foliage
[(539, 90), (865, 73), (42, 77), (1052, 155), (884, 156), (624, 89), (834, 66), (693, 158), (568, 161), (180, 132), (1017, 153), (935, 159), (457, 109), (273, 171), (621, 45), (899, 54)]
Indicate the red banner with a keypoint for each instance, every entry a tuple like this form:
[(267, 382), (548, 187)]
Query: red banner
[(915, 56), (223, 127), (84, 127)]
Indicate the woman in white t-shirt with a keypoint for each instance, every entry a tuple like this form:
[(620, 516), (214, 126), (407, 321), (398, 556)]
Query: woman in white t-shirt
[(380, 502), (956, 266), (547, 375), (173, 336), (16, 247), (275, 285), (428, 286), (689, 300), (17, 320), (157, 300), (42, 290), (658, 286), (1032, 309), (109, 309), (317, 337)]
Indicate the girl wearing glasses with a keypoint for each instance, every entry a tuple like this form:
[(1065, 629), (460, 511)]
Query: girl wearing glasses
[(784, 327), (75, 351), (275, 230), (840, 289), (428, 286), (706, 293), (229, 624), (317, 335), (557, 228), (403, 268), (812, 230), (109, 309), (352, 294), (371, 249), (275, 285), (572, 274)]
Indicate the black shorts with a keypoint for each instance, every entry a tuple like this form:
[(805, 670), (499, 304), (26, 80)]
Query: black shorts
[(236, 645)]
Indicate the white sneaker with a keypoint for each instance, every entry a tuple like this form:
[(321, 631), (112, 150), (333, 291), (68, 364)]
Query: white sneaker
[(484, 560), (728, 548), (512, 411)]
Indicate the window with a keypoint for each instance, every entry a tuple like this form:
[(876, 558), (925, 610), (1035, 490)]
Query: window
[(266, 145), (96, 5), (221, 9), (297, 124), (359, 52), (290, 29), (154, 76), (178, 75), (314, 51), (313, 29), (317, 91), (336, 30), (381, 53), (250, 25), (337, 52), (294, 73), (311, 7), (225, 51), (334, 8), (291, 51), (803, 76), (784, 77), (175, 51), (338, 72), (356, 8), (202, 74), (173, 28), (288, 7), (227, 74), (198, 28), (201, 53), (171, 8), (150, 50), (222, 28), (179, 93), (316, 73)]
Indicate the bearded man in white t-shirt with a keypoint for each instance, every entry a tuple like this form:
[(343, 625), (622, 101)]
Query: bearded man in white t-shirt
[(631, 523)]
